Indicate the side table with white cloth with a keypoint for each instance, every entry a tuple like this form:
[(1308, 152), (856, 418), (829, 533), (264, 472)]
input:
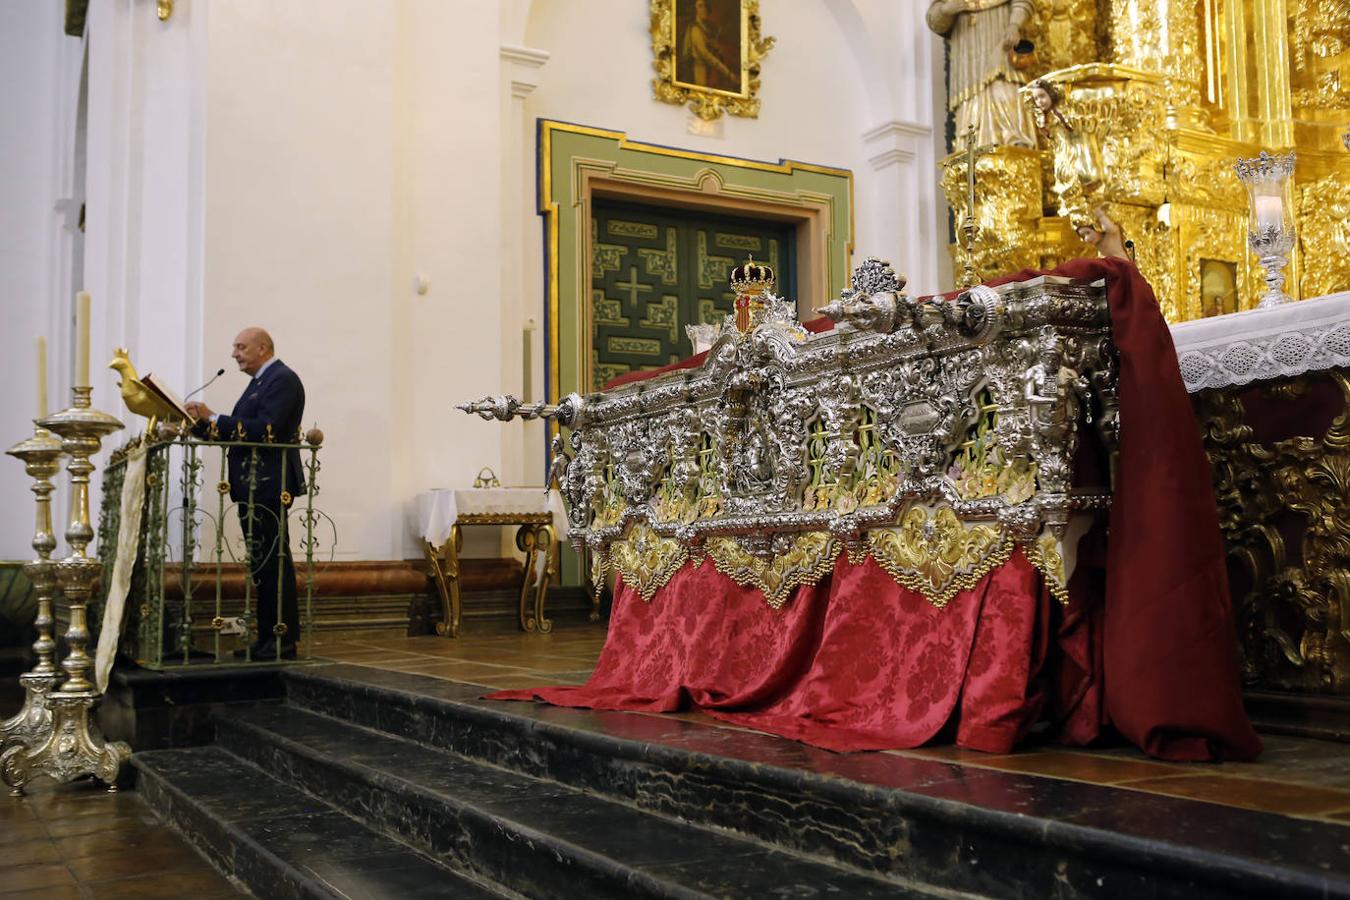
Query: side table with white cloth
[(442, 513), (1271, 391)]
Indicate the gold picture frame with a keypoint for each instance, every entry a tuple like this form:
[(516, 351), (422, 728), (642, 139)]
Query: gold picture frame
[(708, 54)]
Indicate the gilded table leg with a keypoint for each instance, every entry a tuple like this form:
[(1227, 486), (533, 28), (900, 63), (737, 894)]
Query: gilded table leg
[(446, 574), (527, 541), (597, 583), (433, 555), (548, 540)]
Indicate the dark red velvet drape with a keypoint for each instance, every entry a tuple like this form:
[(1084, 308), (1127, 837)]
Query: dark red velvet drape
[(1146, 644)]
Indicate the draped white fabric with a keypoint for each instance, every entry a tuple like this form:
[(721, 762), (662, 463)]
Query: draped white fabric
[(128, 542)]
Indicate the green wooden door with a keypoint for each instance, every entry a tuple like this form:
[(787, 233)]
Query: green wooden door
[(653, 271)]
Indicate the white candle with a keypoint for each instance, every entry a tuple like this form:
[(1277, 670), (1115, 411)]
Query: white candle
[(1269, 212), (82, 339), (42, 377)]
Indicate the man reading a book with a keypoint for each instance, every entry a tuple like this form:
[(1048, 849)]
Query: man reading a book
[(273, 397)]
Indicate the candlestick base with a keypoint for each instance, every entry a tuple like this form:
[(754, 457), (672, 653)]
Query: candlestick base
[(33, 722), (72, 749)]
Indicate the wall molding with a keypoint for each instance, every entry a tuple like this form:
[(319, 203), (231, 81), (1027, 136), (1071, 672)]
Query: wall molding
[(895, 142), (523, 65)]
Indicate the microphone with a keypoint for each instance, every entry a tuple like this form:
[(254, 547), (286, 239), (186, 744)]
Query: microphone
[(219, 372)]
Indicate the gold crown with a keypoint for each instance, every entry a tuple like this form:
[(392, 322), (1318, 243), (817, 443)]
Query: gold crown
[(752, 277)]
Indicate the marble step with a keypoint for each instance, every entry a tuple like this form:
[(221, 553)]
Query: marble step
[(925, 821), (281, 842), (535, 836)]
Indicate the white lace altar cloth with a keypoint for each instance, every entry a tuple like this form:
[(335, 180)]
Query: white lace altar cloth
[(1259, 344), (438, 509)]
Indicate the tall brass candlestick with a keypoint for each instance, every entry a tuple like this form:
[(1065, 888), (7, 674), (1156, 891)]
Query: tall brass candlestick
[(41, 456), (74, 747), (969, 277)]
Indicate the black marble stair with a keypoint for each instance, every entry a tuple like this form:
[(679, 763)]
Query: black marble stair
[(909, 821), (281, 842), (536, 836)]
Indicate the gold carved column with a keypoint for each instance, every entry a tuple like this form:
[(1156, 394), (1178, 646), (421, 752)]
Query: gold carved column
[(1162, 37)]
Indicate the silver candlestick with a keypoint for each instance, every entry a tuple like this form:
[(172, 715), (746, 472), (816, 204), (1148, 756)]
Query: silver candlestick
[(74, 747), (1272, 245), (41, 456), (1270, 231)]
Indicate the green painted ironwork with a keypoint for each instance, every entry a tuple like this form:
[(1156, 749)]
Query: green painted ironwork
[(167, 631)]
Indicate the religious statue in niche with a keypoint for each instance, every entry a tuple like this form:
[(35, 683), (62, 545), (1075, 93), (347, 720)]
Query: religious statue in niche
[(708, 54), (984, 76), (1218, 287)]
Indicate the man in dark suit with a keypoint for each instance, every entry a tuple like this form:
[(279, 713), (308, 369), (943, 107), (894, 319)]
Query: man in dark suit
[(273, 397)]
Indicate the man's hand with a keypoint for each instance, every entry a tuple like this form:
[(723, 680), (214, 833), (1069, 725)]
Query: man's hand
[(1106, 237), (198, 411)]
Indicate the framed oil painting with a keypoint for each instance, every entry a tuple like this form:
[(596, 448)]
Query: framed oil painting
[(708, 55)]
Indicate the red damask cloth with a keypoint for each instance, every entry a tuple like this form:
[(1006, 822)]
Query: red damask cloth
[(1145, 647)]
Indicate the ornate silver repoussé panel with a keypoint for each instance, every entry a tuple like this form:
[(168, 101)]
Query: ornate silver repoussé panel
[(934, 435)]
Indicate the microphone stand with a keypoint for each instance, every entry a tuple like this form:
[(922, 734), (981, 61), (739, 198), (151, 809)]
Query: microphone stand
[(219, 372)]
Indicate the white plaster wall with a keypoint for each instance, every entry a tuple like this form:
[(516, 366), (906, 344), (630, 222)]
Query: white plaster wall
[(299, 233), (144, 177), (346, 153), (39, 80)]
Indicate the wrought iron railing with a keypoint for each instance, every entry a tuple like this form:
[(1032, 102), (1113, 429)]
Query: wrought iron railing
[(184, 605)]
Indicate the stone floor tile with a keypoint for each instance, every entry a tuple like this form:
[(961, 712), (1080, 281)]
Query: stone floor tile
[(28, 853), (108, 866), (122, 840), (1249, 793), (63, 892), (204, 884), (41, 875), (1078, 766), (22, 832)]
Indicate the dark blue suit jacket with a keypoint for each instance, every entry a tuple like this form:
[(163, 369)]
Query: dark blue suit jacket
[(277, 398)]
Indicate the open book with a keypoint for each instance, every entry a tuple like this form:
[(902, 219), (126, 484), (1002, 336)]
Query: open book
[(166, 394)]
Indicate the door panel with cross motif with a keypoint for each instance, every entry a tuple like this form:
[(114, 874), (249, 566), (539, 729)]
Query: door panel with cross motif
[(653, 271)]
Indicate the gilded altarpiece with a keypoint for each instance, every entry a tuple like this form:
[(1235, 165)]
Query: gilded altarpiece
[(1157, 102), (1271, 390), (1284, 499)]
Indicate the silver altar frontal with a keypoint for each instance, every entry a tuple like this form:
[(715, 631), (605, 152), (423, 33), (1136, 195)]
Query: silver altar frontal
[(936, 435)]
